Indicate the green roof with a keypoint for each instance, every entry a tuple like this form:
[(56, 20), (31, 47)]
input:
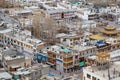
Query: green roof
[(66, 50)]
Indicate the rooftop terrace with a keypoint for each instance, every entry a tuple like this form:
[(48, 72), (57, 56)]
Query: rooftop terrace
[(22, 36), (103, 74)]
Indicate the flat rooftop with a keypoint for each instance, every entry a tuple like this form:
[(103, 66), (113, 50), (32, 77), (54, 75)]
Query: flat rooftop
[(5, 75), (103, 74), (82, 48), (59, 10), (22, 36), (11, 54), (114, 55)]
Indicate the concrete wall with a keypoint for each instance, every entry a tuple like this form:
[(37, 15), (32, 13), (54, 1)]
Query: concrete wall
[(45, 69), (36, 75), (20, 62)]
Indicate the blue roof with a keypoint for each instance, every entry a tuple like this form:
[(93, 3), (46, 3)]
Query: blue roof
[(51, 75), (41, 54), (100, 43)]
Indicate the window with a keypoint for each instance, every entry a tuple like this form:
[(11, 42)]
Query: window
[(36, 73), (91, 51), (79, 54), (62, 15), (94, 78), (60, 57), (64, 39), (18, 43), (76, 57), (14, 41), (21, 44), (88, 76)]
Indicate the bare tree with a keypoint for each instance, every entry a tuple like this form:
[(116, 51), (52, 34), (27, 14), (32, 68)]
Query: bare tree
[(35, 26), (3, 3), (45, 28), (9, 3)]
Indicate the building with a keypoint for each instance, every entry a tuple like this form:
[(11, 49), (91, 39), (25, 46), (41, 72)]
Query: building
[(13, 59), (24, 2), (58, 13), (61, 14), (104, 71), (109, 9), (25, 17), (30, 73), (86, 14), (67, 60), (5, 76), (109, 31), (20, 39), (42, 57), (60, 58), (69, 40)]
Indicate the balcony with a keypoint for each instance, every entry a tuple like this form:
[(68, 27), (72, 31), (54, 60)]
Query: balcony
[(67, 65), (68, 61), (52, 56)]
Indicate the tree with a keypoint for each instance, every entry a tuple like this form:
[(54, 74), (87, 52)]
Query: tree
[(3, 3), (9, 3), (44, 28), (35, 26)]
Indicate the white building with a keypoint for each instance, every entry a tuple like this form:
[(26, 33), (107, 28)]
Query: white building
[(91, 73), (89, 24), (111, 72), (24, 2), (58, 12), (21, 39), (109, 9), (86, 13), (61, 14)]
